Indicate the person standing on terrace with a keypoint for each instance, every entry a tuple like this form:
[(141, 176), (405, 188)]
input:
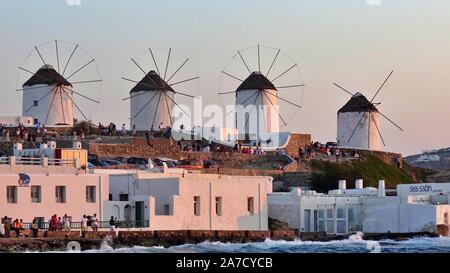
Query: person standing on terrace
[(124, 130)]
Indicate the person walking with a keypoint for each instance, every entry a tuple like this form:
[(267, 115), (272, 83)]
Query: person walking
[(35, 228), (94, 223), (6, 226), (16, 227), (66, 222), (112, 223)]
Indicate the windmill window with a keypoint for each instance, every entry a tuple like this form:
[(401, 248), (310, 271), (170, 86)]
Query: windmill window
[(35, 103)]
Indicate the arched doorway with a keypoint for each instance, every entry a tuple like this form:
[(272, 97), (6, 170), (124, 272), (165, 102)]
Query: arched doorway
[(127, 213), (116, 212)]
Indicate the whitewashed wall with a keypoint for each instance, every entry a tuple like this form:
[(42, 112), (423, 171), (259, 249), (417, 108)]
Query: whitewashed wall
[(158, 190), (60, 112), (263, 121), (364, 137), (144, 119), (75, 205)]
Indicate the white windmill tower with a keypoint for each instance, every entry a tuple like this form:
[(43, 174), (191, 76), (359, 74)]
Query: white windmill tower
[(48, 95), (257, 98), (358, 122), (153, 97)]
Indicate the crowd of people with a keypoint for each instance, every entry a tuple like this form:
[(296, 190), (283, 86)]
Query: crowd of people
[(59, 224), (21, 133), (88, 223), (329, 151)]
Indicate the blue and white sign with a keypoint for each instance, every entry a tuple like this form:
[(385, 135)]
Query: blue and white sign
[(24, 180)]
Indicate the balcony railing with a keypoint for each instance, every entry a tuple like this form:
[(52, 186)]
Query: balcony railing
[(101, 224), (37, 161)]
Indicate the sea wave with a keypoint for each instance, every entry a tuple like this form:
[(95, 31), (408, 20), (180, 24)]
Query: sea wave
[(354, 244)]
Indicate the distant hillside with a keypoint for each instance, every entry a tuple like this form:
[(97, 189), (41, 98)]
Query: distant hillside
[(326, 174), (438, 160)]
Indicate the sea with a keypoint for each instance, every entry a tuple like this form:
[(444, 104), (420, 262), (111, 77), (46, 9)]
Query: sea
[(354, 244)]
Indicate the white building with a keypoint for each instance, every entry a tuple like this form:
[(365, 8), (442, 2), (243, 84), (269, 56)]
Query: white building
[(151, 103), (358, 124), (416, 208), (428, 158), (16, 121), (47, 97), (53, 188), (189, 201)]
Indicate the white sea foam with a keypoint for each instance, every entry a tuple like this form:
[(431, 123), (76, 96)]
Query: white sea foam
[(355, 243)]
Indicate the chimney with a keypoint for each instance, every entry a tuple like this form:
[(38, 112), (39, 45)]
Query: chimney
[(359, 184), (381, 188), (342, 185)]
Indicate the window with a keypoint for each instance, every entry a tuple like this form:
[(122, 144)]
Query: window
[(330, 220), (354, 218), (326, 219), (321, 220), (60, 194), (35, 194), (341, 221), (219, 206), (11, 194), (123, 197), (251, 205), (446, 218), (110, 197), (316, 220), (90, 194), (307, 220), (197, 205), (166, 209), (35, 103)]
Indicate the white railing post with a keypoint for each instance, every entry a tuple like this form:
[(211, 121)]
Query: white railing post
[(77, 163), (45, 162), (12, 161)]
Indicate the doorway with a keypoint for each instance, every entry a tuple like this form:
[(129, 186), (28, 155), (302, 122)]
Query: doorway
[(139, 214)]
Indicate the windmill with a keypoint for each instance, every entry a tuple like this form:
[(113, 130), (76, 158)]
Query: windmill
[(57, 70), (358, 121), (257, 98), (153, 97)]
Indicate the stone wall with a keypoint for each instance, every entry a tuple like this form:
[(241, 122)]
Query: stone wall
[(134, 149), (297, 141)]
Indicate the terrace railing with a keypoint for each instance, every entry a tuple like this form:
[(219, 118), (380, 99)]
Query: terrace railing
[(37, 161), (102, 224)]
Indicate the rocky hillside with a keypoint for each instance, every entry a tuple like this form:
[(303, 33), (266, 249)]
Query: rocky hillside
[(438, 160), (371, 168)]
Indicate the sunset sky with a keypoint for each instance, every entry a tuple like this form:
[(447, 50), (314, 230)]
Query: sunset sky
[(352, 42)]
